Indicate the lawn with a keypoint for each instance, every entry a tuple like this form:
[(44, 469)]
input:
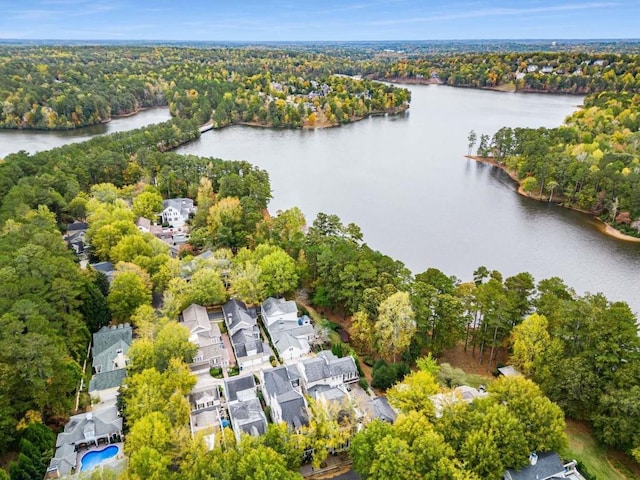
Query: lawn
[(603, 463)]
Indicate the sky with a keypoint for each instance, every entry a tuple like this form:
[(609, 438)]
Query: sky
[(318, 20)]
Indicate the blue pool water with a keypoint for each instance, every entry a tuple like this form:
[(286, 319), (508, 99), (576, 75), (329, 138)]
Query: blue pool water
[(95, 458)]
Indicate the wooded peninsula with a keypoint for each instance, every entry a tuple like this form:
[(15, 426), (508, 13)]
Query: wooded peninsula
[(134, 266)]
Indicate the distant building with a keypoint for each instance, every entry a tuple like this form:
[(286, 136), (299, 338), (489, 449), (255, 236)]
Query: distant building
[(176, 211)]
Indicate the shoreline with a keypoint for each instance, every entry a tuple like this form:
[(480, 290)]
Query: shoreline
[(320, 126), (601, 225)]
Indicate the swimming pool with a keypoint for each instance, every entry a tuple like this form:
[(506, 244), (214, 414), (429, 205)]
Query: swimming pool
[(96, 457)]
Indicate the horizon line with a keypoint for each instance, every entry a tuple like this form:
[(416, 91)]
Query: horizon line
[(549, 39)]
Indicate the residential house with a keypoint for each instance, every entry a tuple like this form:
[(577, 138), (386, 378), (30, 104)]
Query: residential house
[(176, 211), (544, 466), (109, 353), (75, 236), (245, 411), (532, 68), (547, 69), (508, 371), (244, 333), (328, 376), (289, 333), (106, 268), (379, 408), (205, 413), (147, 226), (206, 335), (282, 392), (463, 393), (82, 431)]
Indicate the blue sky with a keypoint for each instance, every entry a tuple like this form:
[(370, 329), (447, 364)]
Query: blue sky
[(342, 20)]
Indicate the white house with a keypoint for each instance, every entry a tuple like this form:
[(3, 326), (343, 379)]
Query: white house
[(327, 376), (206, 335), (281, 389), (242, 325), (290, 334), (176, 211)]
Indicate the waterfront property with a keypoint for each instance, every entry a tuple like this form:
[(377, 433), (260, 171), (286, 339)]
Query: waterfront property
[(177, 211)]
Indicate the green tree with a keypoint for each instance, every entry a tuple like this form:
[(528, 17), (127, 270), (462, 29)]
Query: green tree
[(172, 342), (412, 394), (130, 290), (530, 341), (278, 273), (395, 325), (148, 205)]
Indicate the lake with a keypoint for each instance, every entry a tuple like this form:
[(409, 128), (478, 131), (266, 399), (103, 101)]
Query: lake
[(32, 141), (404, 180)]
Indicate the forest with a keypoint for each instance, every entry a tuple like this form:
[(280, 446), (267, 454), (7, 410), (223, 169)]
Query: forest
[(591, 163), (60, 88), (582, 351)]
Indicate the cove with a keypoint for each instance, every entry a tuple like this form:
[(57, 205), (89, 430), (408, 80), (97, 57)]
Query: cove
[(32, 141), (404, 180)]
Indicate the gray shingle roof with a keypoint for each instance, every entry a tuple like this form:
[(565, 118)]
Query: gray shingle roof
[(109, 345), (279, 306), (383, 410), (237, 315), (106, 380), (238, 384), (294, 411), (248, 417), (276, 381), (315, 369), (107, 336), (547, 466)]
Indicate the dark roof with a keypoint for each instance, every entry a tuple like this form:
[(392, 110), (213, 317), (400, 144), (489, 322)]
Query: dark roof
[(75, 226), (236, 312), (294, 411), (276, 381), (104, 267), (237, 384), (547, 466), (315, 369)]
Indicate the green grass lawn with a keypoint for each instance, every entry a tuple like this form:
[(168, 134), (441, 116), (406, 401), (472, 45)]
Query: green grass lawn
[(604, 464)]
